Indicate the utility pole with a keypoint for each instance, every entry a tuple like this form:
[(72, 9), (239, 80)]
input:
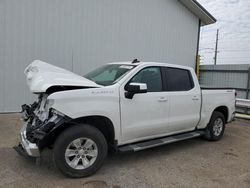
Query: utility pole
[(216, 47)]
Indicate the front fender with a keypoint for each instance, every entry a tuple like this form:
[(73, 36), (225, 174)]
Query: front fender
[(90, 102)]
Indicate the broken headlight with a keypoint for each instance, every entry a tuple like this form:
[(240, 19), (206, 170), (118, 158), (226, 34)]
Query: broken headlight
[(56, 112), (48, 104)]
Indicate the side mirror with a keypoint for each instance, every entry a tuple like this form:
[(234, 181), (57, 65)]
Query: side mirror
[(135, 88)]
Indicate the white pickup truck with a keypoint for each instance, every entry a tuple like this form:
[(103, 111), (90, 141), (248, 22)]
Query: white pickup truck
[(122, 107)]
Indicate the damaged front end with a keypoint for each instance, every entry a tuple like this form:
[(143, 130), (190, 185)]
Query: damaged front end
[(40, 120)]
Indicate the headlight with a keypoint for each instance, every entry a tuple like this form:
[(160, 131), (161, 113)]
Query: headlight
[(54, 111), (49, 103)]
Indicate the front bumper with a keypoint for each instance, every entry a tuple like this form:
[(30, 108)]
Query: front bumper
[(32, 141), (25, 145)]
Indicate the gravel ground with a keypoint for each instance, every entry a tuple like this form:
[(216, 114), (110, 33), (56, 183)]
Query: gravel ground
[(191, 163)]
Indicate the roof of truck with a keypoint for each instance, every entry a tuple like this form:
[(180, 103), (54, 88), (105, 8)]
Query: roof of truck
[(151, 64)]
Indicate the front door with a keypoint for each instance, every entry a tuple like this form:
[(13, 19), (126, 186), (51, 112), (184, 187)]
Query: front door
[(146, 114)]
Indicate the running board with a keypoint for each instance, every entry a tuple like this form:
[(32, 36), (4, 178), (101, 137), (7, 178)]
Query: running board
[(160, 141)]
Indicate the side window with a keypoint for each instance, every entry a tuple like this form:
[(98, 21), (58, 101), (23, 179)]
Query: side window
[(150, 76), (179, 79)]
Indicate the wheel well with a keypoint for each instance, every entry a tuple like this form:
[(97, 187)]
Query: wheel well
[(223, 110), (103, 124)]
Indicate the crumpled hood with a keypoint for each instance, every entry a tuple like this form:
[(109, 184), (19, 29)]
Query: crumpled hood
[(41, 76)]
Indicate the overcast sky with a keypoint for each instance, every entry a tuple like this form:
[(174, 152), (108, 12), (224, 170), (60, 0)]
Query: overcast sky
[(233, 22)]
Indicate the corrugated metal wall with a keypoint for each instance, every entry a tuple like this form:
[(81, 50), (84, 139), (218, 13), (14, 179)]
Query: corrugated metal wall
[(82, 34), (233, 76)]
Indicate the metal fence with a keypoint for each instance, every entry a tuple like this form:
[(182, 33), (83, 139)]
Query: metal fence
[(243, 105), (233, 76)]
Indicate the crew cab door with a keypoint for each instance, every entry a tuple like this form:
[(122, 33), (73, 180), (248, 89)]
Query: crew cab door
[(184, 99), (146, 114)]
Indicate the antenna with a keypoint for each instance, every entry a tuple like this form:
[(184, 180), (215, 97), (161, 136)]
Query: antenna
[(135, 61)]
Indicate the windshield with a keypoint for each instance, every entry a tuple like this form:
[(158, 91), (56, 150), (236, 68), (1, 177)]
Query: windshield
[(108, 74)]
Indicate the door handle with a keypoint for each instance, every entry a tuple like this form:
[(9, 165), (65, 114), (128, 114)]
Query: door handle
[(162, 99), (195, 98)]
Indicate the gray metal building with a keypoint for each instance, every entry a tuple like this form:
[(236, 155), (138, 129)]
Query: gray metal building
[(81, 34)]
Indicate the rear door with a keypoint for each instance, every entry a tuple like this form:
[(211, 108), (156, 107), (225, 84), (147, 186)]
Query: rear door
[(184, 99)]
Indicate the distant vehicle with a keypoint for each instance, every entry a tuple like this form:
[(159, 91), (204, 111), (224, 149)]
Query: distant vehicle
[(124, 106)]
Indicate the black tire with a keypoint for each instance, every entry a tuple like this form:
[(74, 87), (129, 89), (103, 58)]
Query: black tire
[(67, 137), (211, 133)]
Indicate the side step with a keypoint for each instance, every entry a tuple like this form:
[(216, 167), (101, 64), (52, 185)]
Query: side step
[(160, 141)]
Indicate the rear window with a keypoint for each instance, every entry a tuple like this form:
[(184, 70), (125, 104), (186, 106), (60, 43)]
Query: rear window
[(178, 79)]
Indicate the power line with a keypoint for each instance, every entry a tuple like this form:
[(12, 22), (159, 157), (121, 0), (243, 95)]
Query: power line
[(206, 49), (227, 37), (226, 50), (232, 33), (240, 58), (226, 33), (240, 48), (208, 42), (233, 40), (231, 57), (229, 51)]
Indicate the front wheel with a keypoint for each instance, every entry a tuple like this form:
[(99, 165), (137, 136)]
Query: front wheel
[(216, 127), (80, 151)]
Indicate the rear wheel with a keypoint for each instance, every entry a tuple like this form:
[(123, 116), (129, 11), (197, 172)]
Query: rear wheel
[(216, 127), (80, 151)]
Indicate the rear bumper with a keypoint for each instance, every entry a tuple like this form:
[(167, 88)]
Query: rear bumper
[(25, 146)]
